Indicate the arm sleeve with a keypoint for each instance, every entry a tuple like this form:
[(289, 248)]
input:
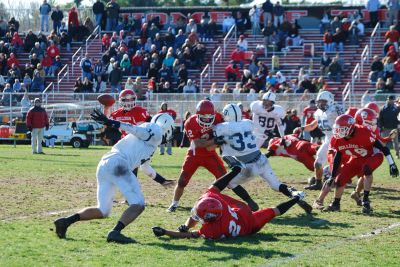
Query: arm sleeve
[(148, 170), (140, 132), (336, 163), (378, 144)]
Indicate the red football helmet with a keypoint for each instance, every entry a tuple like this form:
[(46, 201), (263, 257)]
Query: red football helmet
[(205, 113), (373, 106), (366, 117), (344, 125), (208, 209), (127, 99), (351, 111)]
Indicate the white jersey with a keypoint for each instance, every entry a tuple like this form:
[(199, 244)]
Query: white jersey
[(326, 119), (238, 136), (139, 145), (265, 121)]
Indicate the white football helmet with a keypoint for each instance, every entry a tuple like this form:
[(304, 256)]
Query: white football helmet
[(232, 112), (271, 96), (325, 96), (166, 122)]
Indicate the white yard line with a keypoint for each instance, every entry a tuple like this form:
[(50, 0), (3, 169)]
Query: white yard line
[(334, 244)]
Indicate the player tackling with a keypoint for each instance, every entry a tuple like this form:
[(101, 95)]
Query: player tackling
[(115, 171)]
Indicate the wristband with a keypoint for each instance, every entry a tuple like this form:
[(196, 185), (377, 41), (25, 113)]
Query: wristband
[(159, 179)]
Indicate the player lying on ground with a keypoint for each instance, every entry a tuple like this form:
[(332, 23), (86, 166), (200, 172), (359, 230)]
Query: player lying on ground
[(201, 153), (115, 171), (293, 147), (238, 143), (222, 216), (355, 155)]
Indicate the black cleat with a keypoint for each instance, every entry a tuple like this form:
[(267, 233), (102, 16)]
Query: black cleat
[(311, 181), (117, 237), (316, 186), (305, 206), (172, 208), (366, 207), (332, 208), (61, 227), (253, 205)]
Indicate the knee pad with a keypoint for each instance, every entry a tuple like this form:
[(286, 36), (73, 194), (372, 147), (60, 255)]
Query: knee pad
[(367, 170)]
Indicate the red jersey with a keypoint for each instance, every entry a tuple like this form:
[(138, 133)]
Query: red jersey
[(360, 145), (246, 115), (294, 146), (135, 116), (236, 220), (194, 132), (308, 112), (170, 112)]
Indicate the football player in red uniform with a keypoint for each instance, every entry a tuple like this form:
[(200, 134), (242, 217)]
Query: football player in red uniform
[(201, 152), (222, 216), (355, 155), (172, 113), (133, 114), (351, 111), (245, 113), (374, 107), (293, 147)]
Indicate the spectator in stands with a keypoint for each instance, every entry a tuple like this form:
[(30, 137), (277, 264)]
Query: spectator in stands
[(361, 28), (6, 98), (56, 66), (44, 11), (325, 62), (57, 16), (191, 26), (182, 74), (373, 6), (99, 86), (380, 86), (291, 121), (139, 89), (255, 14), (388, 121), (12, 60), (27, 81), (211, 29), (267, 9), (16, 42), (242, 43), (388, 67), (39, 69), (65, 41), (393, 8), (115, 78), (30, 40), (73, 23), (98, 11), (267, 32), (189, 87), (335, 23), (328, 44), (396, 75), (42, 40), (29, 69), (87, 86), (179, 39), (105, 42), (278, 12), (338, 39), (125, 64), (240, 22), (232, 72), (89, 25), (389, 85), (227, 23), (393, 35), (3, 65), (46, 64), (112, 9), (164, 73), (64, 27), (34, 60), (376, 70), (293, 38), (78, 85), (86, 67), (335, 71), (392, 53), (53, 50), (325, 22), (25, 105), (237, 56), (37, 83), (353, 34)]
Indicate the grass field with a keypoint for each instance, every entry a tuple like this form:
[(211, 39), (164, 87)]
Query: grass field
[(33, 188)]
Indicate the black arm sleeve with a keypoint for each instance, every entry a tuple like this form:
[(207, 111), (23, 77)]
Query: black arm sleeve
[(223, 182), (378, 144), (149, 119), (336, 163)]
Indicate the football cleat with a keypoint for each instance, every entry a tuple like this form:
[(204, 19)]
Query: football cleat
[(332, 208), (316, 186), (305, 206), (61, 227), (318, 205), (253, 205), (357, 198), (311, 181), (172, 208), (366, 207), (117, 237)]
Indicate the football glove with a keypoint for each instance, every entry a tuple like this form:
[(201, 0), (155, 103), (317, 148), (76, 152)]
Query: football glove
[(219, 140), (183, 228), (158, 231), (99, 117), (394, 172)]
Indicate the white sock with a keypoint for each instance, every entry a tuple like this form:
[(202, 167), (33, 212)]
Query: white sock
[(175, 203)]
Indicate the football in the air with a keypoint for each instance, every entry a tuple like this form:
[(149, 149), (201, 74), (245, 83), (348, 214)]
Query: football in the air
[(106, 100)]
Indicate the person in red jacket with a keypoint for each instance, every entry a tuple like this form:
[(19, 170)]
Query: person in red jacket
[(232, 72), (17, 42), (36, 121), (172, 113), (237, 56), (105, 42), (137, 61), (393, 35), (73, 18), (46, 63), (53, 50), (12, 60)]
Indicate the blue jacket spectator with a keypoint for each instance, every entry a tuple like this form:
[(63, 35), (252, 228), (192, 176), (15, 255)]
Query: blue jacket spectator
[(44, 11)]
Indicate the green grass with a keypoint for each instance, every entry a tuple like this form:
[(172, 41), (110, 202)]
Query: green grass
[(33, 186)]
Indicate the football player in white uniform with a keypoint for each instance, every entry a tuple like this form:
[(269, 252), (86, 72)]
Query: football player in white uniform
[(238, 145), (266, 116), (115, 171), (325, 117)]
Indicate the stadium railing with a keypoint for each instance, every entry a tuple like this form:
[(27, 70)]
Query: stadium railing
[(96, 34), (346, 95), (205, 74), (217, 56), (47, 91), (62, 74), (76, 59), (232, 34), (375, 35)]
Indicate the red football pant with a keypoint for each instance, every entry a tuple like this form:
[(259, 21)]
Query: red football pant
[(212, 163), (262, 217), (357, 167)]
